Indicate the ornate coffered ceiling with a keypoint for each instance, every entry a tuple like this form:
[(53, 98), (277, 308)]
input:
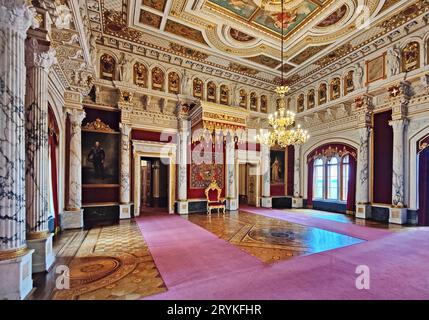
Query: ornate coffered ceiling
[(243, 36)]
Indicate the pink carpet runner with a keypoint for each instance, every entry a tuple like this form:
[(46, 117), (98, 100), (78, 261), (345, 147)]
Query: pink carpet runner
[(195, 264)]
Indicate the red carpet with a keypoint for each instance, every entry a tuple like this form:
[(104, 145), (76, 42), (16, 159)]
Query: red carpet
[(195, 264)]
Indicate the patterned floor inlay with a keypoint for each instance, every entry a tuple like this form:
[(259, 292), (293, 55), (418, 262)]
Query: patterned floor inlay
[(269, 239), (112, 262)]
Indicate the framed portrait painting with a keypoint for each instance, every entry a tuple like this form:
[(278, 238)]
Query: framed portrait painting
[(277, 167), (100, 157)]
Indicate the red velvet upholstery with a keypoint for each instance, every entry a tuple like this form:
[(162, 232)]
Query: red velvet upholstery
[(213, 195), (214, 201)]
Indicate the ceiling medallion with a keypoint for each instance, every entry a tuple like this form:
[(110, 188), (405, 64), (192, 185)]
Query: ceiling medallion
[(282, 131)]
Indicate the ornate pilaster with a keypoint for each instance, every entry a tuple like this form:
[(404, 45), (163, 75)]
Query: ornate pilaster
[(231, 191), (182, 157), (364, 109), (399, 101), (39, 59), (73, 215), (297, 201), (15, 258), (266, 201), (398, 127), (124, 191)]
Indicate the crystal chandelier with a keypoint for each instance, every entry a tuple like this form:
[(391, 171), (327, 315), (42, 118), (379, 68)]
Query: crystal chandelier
[(281, 122)]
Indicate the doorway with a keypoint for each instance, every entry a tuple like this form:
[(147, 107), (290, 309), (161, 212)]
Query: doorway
[(423, 213), (248, 188), (153, 185)]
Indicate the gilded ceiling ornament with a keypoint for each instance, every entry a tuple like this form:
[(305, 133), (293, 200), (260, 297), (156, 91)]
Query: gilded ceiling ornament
[(115, 25), (242, 69), (188, 51)]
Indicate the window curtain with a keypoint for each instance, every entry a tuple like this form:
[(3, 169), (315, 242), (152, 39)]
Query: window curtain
[(53, 143), (424, 187), (310, 183), (351, 188)]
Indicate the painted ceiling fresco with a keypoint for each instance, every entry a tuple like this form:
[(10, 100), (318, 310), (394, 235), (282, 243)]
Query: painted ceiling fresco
[(267, 14)]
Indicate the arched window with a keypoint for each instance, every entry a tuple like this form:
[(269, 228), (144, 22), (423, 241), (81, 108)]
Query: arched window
[(345, 170), (332, 174), (318, 179)]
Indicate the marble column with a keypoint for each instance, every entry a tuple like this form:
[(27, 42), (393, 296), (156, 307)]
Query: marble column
[(398, 211), (124, 191), (182, 161), (297, 200), (39, 59), (15, 257), (363, 207), (231, 191), (266, 201), (72, 217)]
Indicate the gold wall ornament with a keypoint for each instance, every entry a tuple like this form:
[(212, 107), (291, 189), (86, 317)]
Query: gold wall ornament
[(243, 99), (300, 103), (311, 99), (158, 79), (224, 95), (411, 57), (98, 125), (335, 88), (107, 67), (140, 75), (264, 104), (322, 93), (126, 96), (198, 88), (348, 82), (211, 91), (173, 83), (253, 101)]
